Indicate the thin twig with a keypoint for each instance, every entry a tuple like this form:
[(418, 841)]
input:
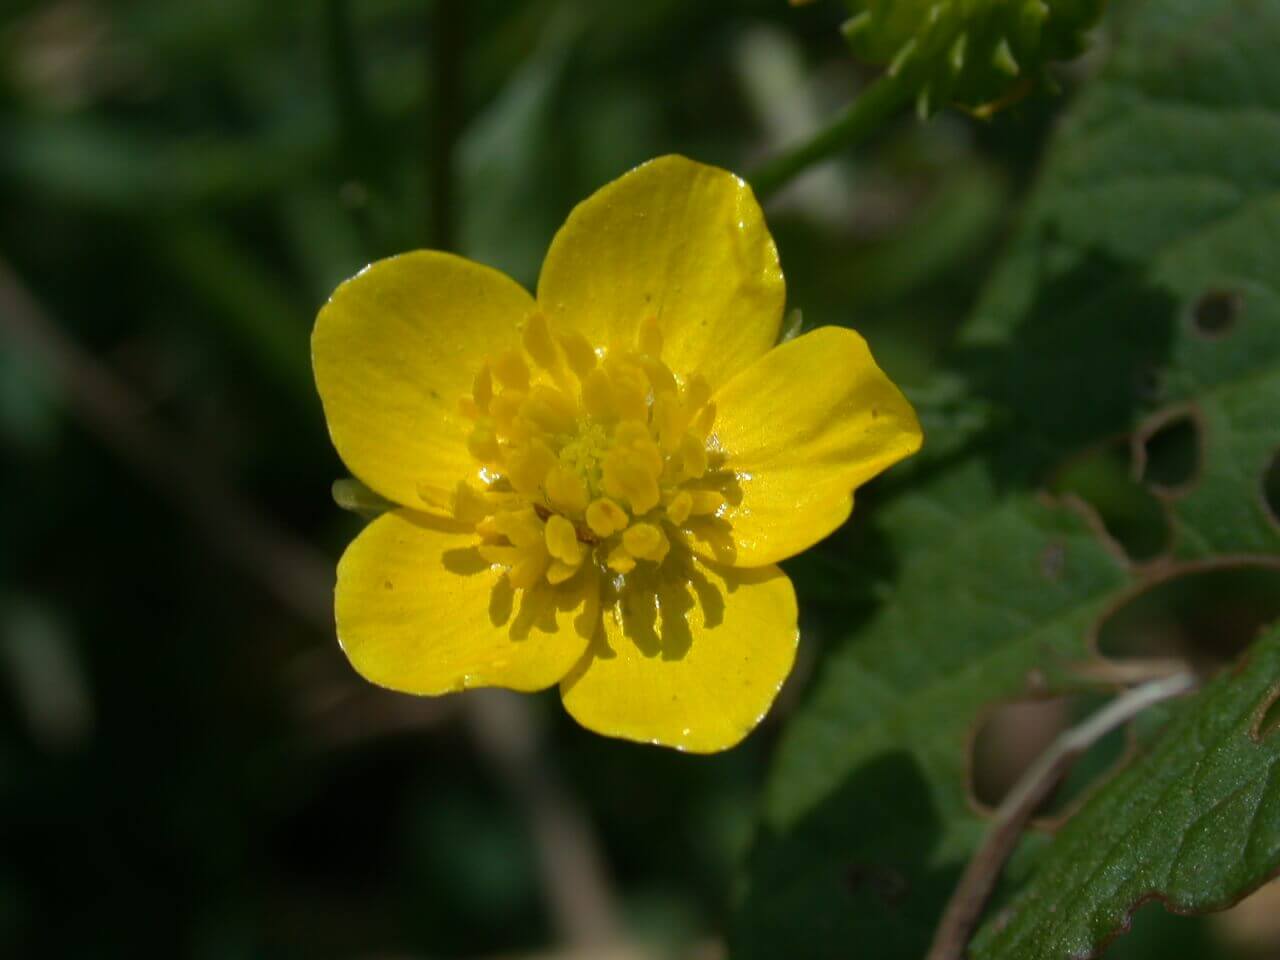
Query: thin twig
[(980, 876), (300, 578), (1128, 673)]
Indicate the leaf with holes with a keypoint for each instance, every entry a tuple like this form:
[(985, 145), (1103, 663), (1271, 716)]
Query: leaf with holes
[(1138, 302)]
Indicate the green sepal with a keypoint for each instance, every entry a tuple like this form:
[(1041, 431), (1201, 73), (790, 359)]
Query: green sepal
[(350, 494), (978, 54)]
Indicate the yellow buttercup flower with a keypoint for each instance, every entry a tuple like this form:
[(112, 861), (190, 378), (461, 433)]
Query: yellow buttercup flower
[(594, 487)]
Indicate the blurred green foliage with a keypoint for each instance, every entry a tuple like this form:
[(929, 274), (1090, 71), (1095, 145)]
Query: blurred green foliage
[(186, 769), (1134, 310)]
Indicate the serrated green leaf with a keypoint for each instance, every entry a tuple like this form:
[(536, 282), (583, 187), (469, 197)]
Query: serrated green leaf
[(1194, 823), (1161, 190)]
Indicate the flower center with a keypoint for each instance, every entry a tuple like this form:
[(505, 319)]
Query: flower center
[(588, 459)]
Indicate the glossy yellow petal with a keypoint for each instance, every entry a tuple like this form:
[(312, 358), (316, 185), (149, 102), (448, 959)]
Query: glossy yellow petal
[(695, 669), (394, 351), (419, 610), (677, 241), (801, 428)]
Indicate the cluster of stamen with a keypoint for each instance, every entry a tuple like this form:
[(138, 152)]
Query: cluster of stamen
[(589, 459)]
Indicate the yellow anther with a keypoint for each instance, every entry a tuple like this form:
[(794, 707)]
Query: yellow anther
[(627, 477), (483, 444), (582, 359), (538, 341), (586, 457), (693, 457), (661, 379), (704, 420), (696, 392), (630, 391), (680, 507), (558, 572), (633, 436), (482, 387), (620, 561), (646, 541), (605, 518), (649, 456), (504, 408), (562, 540), (597, 395), (521, 432), (670, 420), (497, 553), (512, 371), (527, 467), (468, 505), (630, 432), (566, 490), (521, 527), (706, 501), (527, 571), (650, 339), (550, 409)]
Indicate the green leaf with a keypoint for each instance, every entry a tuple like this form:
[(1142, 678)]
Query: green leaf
[(1194, 823), (868, 820), (1159, 206)]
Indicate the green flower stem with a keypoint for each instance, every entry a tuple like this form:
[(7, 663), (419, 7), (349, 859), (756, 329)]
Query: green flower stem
[(874, 107)]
